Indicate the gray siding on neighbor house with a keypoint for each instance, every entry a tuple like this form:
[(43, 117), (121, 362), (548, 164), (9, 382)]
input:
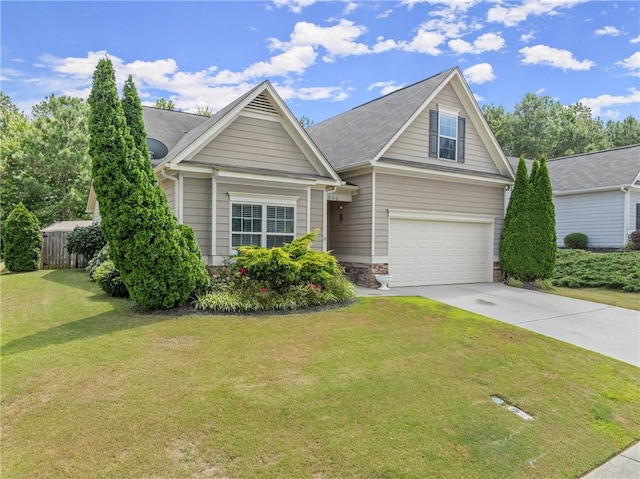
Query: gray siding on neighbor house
[(170, 192), (223, 210), (406, 193), (256, 143), (413, 143), (599, 215), (196, 210), (352, 235), (634, 201)]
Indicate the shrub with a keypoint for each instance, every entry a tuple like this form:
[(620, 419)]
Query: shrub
[(99, 258), (634, 239), (108, 278), (22, 240), (576, 240), (286, 278), (85, 240)]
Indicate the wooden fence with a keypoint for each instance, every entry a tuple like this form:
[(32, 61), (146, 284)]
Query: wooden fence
[(55, 254)]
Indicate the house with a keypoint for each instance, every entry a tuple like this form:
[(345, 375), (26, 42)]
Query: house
[(597, 194), (431, 178), (411, 183), (248, 175)]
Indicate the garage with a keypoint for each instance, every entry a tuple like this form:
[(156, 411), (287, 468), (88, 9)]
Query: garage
[(440, 248)]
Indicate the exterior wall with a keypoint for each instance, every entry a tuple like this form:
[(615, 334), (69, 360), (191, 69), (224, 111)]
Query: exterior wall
[(634, 199), (95, 216), (413, 143), (196, 210), (256, 143), (599, 215), (317, 216), (170, 191), (351, 236), (401, 192)]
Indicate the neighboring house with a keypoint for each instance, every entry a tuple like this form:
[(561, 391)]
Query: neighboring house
[(597, 194), (431, 180), (249, 175)]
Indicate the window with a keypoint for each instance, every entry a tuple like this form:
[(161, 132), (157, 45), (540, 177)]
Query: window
[(638, 216), (446, 136), (261, 220)]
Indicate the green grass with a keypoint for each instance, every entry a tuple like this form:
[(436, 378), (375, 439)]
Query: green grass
[(387, 387), (580, 269), (622, 299)]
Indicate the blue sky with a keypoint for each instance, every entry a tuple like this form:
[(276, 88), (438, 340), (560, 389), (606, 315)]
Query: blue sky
[(326, 57)]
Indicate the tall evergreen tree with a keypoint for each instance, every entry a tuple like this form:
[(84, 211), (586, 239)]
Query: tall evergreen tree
[(156, 257), (515, 243), (543, 223), (22, 241)]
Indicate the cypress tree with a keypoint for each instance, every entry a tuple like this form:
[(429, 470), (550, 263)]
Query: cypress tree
[(22, 240), (154, 254), (543, 223), (515, 243)]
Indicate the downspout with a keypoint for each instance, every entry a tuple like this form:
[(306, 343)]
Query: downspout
[(177, 195), (625, 225)]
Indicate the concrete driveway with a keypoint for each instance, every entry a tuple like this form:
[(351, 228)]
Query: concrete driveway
[(608, 330)]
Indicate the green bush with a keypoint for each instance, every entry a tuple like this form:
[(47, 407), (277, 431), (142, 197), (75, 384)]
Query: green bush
[(286, 278), (582, 269), (22, 240), (85, 240), (576, 240), (99, 258), (634, 239), (108, 278)]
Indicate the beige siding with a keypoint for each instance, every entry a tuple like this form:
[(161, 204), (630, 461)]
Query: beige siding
[(223, 206), (401, 192), (352, 235), (255, 143), (196, 210), (170, 191), (413, 143)]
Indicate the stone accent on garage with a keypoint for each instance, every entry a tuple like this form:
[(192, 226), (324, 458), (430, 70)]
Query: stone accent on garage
[(363, 274)]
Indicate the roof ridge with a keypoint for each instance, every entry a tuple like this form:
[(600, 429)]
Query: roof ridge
[(594, 152)]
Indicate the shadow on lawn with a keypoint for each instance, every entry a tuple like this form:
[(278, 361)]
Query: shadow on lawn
[(74, 278), (121, 318)]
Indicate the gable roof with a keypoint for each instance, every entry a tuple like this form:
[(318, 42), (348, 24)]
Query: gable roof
[(599, 170), (262, 94), (361, 136), (169, 126)]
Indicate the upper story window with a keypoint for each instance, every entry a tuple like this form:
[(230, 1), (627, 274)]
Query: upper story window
[(446, 135)]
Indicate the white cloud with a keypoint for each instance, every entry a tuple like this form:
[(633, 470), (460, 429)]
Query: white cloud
[(350, 8), (606, 100), (424, 42), (385, 87), (527, 37), (385, 14), (613, 114), (484, 43), (513, 15), (463, 5), (632, 64), (635, 40), (545, 55), (608, 31), (480, 73), (479, 98), (295, 6)]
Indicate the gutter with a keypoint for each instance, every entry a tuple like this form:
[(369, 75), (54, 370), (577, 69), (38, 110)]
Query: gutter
[(590, 190)]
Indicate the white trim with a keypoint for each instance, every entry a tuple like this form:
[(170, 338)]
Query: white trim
[(366, 259), (180, 198), (373, 213), (273, 200), (447, 110), (266, 178), (325, 207), (261, 116), (308, 209), (191, 168), (214, 216), (591, 190), (445, 216), (404, 170)]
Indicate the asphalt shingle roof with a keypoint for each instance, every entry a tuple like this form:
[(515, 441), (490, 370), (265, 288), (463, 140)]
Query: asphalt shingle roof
[(600, 169), (169, 126), (356, 136)]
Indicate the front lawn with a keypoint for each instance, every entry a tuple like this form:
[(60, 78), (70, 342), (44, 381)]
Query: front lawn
[(387, 387)]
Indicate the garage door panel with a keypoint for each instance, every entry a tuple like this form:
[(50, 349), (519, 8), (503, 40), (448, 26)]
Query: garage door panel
[(439, 252)]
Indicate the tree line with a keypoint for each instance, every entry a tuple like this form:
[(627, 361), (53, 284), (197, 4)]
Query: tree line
[(45, 164)]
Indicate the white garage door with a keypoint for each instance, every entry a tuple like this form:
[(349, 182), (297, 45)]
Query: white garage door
[(424, 252)]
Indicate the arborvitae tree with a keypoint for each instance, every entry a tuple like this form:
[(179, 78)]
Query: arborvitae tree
[(543, 223), (22, 240), (154, 254), (515, 243)]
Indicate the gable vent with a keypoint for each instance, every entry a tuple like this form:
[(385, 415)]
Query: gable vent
[(261, 103)]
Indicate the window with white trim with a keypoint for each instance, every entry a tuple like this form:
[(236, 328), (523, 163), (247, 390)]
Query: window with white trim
[(446, 135), (261, 220)]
